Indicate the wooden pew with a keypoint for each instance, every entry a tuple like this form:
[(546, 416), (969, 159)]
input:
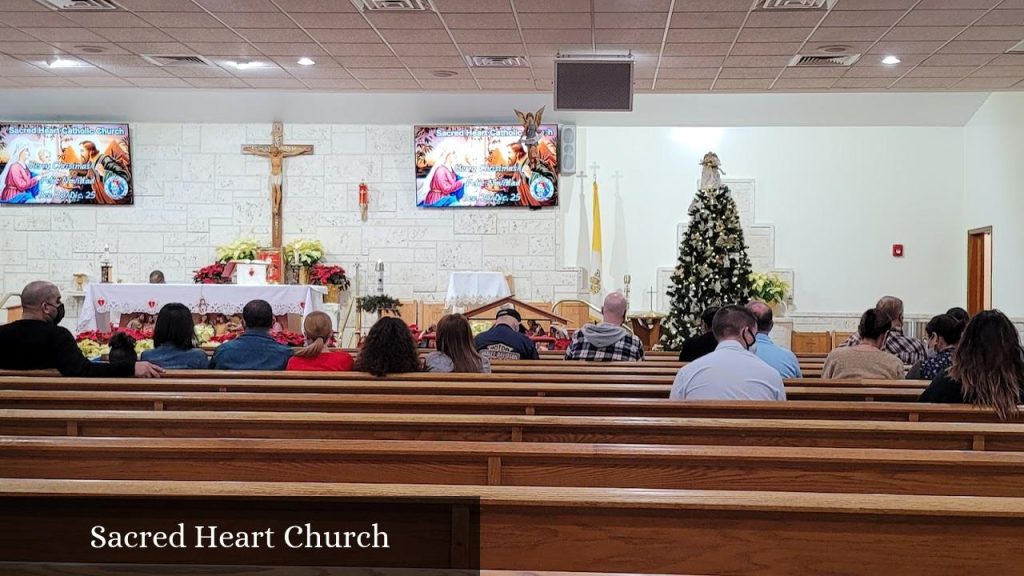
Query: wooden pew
[(852, 470), (490, 428), (462, 386), (49, 569), (610, 529), (456, 404)]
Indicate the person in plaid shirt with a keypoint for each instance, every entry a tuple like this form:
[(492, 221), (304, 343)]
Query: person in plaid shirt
[(909, 350), (607, 341)]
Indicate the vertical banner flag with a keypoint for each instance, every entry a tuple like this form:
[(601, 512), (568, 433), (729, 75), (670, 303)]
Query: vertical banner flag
[(595, 247)]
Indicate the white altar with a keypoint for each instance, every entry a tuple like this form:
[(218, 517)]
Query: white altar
[(474, 288), (103, 299)]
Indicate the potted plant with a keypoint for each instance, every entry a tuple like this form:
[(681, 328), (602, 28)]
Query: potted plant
[(301, 254), (212, 274), (381, 303), (331, 276), (770, 289), (240, 256)]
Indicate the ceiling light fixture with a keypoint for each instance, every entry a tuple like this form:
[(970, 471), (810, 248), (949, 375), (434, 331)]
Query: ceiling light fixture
[(306, 62), (891, 60), (245, 65), (61, 62)]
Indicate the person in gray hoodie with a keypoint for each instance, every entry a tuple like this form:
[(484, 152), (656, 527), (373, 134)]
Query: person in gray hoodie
[(607, 341)]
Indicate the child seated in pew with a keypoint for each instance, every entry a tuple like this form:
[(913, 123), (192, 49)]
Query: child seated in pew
[(315, 357), (389, 348), (987, 368), (122, 349), (175, 345), (455, 349)]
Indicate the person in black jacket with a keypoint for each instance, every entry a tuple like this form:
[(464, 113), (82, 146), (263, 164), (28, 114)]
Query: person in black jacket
[(38, 342), (504, 341), (698, 346), (987, 369)]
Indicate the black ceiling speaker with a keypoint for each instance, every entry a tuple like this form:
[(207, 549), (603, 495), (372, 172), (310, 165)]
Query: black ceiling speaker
[(594, 83)]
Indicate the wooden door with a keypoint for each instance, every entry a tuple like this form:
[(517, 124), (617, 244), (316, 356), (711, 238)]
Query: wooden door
[(979, 270)]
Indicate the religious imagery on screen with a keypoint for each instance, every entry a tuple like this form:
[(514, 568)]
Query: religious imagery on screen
[(65, 164), (486, 166)]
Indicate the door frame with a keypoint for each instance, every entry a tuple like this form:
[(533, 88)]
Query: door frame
[(982, 301)]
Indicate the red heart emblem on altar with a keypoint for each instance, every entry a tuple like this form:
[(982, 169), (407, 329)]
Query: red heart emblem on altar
[(302, 305), (101, 302), (152, 303), (252, 271)]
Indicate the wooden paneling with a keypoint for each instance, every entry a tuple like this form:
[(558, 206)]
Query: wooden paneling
[(811, 343)]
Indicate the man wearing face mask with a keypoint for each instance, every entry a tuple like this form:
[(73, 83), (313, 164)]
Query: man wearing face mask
[(37, 342), (733, 371)]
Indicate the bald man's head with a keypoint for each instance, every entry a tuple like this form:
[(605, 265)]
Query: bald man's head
[(763, 314), (39, 300), (614, 309)]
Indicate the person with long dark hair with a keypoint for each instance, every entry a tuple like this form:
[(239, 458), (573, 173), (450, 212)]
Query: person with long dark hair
[(455, 349), (987, 369), (315, 356), (867, 358), (174, 340), (122, 349), (388, 349), (943, 335)]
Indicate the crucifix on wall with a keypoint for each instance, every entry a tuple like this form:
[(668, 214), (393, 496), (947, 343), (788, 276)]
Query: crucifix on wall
[(277, 151)]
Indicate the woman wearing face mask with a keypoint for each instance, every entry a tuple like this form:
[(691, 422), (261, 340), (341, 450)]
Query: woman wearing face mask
[(866, 359), (38, 342), (943, 335)]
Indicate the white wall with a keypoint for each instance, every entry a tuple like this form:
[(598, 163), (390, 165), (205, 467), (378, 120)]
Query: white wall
[(838, 199), (994, 192)]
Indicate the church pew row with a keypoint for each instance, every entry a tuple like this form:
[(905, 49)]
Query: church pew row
[(79, 569), (463, 387), (851, 470), (455, 404), (502, 428), (640, 530)]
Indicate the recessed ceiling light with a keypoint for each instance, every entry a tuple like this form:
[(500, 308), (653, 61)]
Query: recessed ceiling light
[(891, 60), (245, 65), (61, 62), (443, 73), (306, 62)]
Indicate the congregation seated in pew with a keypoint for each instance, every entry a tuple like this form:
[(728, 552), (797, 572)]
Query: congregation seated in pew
[(38, 342), (867, 358), (987, 368), (388, 348), (943, 336), (504, 340), (782, 360), (175, 345), (455, 350), (909, 350), (732, 371), (607, 341), (255, 349), (314, 356), (122, 349), (704, 344)]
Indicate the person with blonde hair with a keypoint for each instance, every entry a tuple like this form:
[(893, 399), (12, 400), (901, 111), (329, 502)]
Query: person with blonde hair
[(315, 357), (455, 349)]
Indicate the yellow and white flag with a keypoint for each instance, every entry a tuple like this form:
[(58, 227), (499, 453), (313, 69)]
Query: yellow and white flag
[(595, 247)]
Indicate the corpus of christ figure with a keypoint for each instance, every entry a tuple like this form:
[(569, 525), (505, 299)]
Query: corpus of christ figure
[(277, 151)]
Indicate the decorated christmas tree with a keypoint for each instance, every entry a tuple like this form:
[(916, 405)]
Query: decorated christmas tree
[(713, 267)]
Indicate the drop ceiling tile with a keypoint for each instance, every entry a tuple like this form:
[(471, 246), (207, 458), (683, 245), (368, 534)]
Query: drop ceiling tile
[(334, 84), (940, 71), (637, 49), (713, 6), (66, 34), (956, 4), (106, 60), (710, 35), (992, 33), (416, 36), (345, 36), (391, 84), (507, 84), (486, 36), (1000, 72), (268, 70), (44, 19), (848, 82), (862, 18), (141, 34), (631, 5), (238, 5), (165, 82), (682, 85), (160, 5), (317, 20), (1012, 5), (774, 34), (197, 71), (108, 82), (697, 49), (784, 19), (22, 70), (448, 84), (133, 72), (630, 20), (767, 49), (421, 20), (691, 61), (47, 82), (742, 84), (930, 83), (1008, 60), (877, 71), (708, 19), (976, 47), (736, 73), (632, 35), (378, 49), (19, 48), (181, 20), (268, 35), (12, 35), (546, 85), (902, 48), (539, 36), (847, 5), (317, 6), (941, 17), (687, 73), (545, 6), (957, 60), (483, 6), (379, 73), (434, 61), (851, 34), (555, 20), (1003, 18), (238, 49), (297, 49), (757, 61), (512, 49), (814, 72), (922, 33), (21, 6), (447, 49), (803, 83), (318, 72), (216, 82), (82, 48), (256, 20), (187, 35), (370, 62), (505, 73)]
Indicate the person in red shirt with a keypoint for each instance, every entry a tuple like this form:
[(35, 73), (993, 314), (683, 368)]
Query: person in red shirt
[(314, 357)]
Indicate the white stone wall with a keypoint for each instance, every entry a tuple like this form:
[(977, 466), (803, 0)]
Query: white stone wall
[(194, 190)]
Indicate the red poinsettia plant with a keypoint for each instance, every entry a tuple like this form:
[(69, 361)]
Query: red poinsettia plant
[(286, 337), (104, 337), (212, 274), (328, 274)]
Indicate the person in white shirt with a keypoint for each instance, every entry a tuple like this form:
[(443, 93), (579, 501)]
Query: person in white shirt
[(732, 371)]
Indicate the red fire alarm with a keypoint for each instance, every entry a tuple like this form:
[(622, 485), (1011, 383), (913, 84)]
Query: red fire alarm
[(897, 250)]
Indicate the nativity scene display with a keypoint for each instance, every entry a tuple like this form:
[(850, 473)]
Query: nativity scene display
[(514, 165)]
